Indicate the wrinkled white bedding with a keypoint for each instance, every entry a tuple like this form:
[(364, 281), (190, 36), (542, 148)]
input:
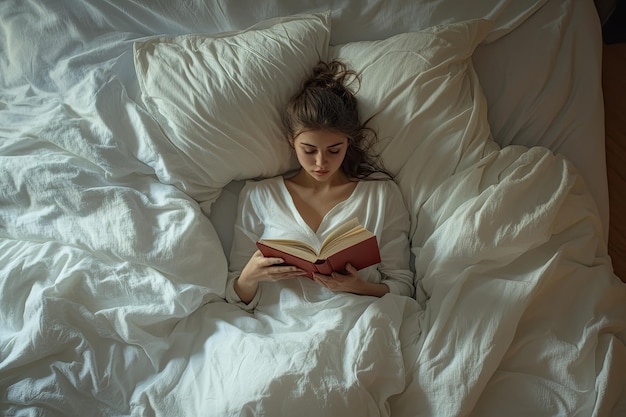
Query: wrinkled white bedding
[(111, 279)]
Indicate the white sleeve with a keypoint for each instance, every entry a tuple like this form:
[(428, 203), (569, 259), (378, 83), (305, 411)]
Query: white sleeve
[(395, 251), (247, 231)]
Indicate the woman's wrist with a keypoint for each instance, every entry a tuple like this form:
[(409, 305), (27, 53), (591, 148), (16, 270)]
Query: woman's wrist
[(245, 289), (372, 289)]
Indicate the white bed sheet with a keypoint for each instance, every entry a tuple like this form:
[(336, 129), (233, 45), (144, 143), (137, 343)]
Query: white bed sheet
[(110, 278), (555, 98)]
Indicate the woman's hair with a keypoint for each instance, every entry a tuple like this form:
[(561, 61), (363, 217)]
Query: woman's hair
[(325, 102)]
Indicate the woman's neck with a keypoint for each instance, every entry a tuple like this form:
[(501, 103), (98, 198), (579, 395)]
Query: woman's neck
[(304, 179)]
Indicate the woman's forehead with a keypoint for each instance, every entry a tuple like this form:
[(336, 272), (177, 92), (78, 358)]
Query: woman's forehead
[(321, 138)]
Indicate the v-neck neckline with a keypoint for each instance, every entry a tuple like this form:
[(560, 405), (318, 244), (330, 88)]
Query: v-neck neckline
[(324, 218)]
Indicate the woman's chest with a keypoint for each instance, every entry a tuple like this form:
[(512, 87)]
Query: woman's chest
[(311, 220), (313, 207)]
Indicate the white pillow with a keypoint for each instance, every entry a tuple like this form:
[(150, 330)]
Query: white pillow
[(426, 101), (218, 98)]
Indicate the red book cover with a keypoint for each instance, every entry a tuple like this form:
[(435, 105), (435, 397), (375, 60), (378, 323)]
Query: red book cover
[(361, 255)]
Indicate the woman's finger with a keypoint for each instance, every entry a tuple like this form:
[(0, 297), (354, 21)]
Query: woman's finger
[(350, 269), (273, 261)]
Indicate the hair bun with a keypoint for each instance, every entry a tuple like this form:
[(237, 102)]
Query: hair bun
[(332, 75)]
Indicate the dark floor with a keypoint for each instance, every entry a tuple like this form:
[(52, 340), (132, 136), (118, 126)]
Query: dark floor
[(614, 89)]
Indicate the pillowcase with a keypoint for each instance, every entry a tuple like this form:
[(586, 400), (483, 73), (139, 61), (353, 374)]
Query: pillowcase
[(218, 98), (426, 103)]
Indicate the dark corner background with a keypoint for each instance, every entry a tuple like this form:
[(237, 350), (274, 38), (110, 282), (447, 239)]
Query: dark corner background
[(614, 22)]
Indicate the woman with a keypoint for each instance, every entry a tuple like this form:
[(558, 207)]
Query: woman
[(338, 180)]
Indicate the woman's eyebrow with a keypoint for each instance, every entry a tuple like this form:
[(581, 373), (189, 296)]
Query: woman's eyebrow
[(331, 146)]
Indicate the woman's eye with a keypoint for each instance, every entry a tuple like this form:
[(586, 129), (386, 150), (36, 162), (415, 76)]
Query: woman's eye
[(334, 152), (308, 152)]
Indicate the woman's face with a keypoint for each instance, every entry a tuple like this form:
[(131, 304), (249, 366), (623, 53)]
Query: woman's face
[(321, 153)]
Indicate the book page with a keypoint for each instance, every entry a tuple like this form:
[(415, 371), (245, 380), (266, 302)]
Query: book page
[(344, 236), (347, 236), (294, 247), (345, 227)]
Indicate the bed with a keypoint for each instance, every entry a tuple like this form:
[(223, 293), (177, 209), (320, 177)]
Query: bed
[(128, 127)]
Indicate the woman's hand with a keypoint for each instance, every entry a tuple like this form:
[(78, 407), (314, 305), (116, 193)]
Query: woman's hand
[(350, 282), (260, 269)]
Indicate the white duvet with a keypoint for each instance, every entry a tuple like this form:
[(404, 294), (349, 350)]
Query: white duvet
[(111, 281)]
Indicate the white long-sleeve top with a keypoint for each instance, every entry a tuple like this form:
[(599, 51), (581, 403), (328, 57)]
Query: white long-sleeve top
[(267, 211)]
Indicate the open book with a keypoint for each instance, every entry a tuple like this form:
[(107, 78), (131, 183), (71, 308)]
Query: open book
[(349, 243)]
